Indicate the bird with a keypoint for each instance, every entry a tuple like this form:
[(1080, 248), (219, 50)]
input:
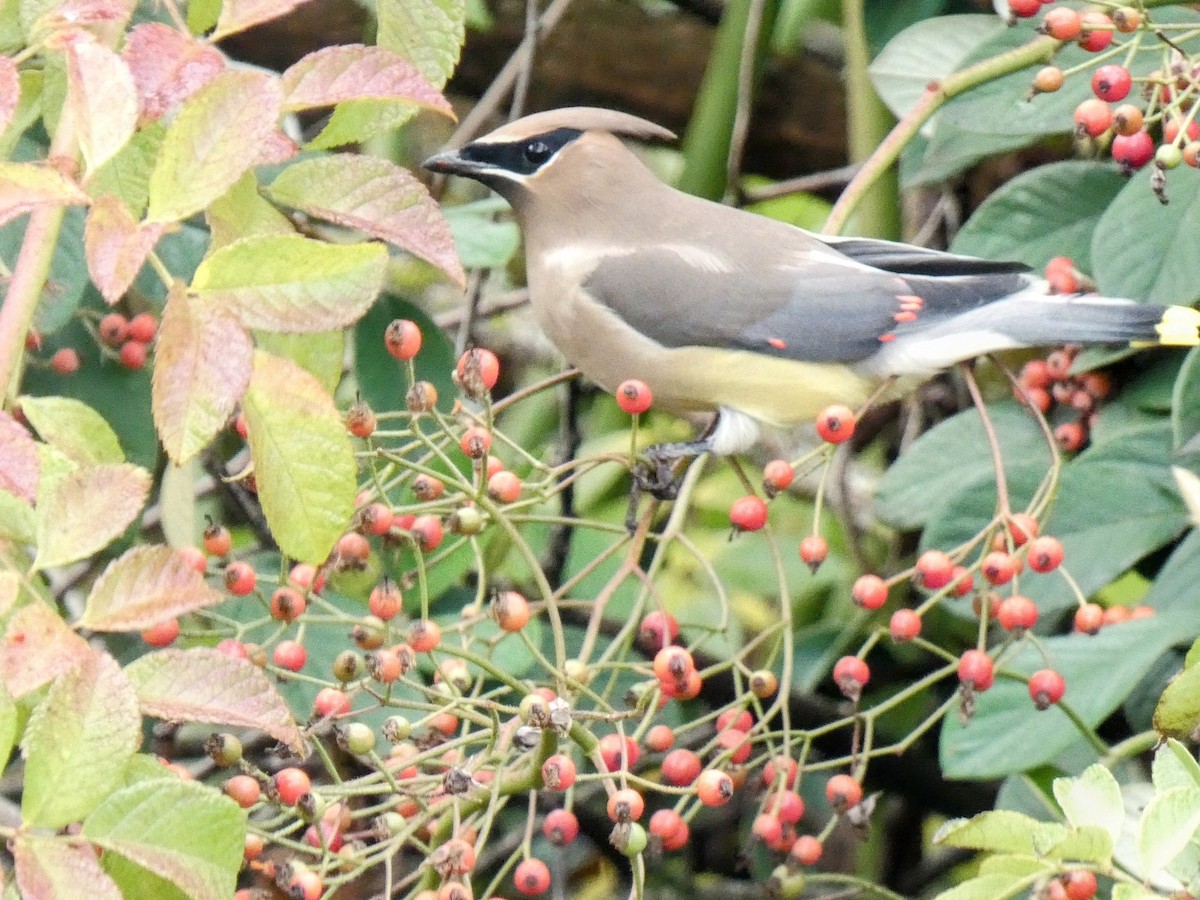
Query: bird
[(755, 321)]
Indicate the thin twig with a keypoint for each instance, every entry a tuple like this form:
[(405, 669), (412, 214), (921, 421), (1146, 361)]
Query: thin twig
[(993, 442), (525, 73), (817, 181), (745, 98), (496, 305)]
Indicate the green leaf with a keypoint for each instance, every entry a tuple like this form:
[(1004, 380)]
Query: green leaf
[(87, 729), (428, 33), (293, 283), (1167, 826), (1165, 232), (989, 887), (1021, 866), (1045, 212), (1087, 843), (1178, 710), (242, 212), (303, 460), (1172, 587), (127, 175), (1174, 766), (60, 868), (212, 142), (951, 149), (1092, 798), (1185, 405), (481, 240), (1100, 670), (86, 510), (926, 52), (357, 121), (8, 725), (181, 831), (1125, 891), (997, 831), (910, 492), (74, 428), (321, 353)]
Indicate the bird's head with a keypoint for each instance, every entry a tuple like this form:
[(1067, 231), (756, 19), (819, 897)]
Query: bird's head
[(553, 152)]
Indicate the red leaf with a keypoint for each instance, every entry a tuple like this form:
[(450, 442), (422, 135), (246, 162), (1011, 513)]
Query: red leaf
[(37, 648), (357, 72), (168, 67), (116, 246), (144, 587), (10, 91), (19, 463)]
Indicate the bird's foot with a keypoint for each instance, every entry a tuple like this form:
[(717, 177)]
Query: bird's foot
[(656, 474)]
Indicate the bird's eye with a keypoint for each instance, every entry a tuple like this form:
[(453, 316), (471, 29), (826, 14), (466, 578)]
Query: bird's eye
[(537, 152)]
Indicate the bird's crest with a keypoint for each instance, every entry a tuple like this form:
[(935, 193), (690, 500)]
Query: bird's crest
[(580, 118)]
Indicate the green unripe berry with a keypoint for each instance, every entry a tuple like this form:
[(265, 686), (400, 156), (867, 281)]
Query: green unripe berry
[(535, 711), (348, 666), (636, 841), (396, 729), (223, 749), (1168, 156), (785, 885), (467, 520), (356, 738)]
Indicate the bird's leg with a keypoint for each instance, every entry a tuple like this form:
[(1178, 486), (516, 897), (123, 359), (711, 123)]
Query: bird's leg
[(656, 474)]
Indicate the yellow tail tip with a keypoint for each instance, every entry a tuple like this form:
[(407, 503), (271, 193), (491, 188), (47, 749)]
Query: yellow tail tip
[(1179, 327)]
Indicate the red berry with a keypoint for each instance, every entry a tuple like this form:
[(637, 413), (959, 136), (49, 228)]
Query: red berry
[(1023, 528), (672, 664), (714, 787), (232, 648), (1171, 130), (532, 877), (1017, 614), (477, 371), (1063, 279), (194, 558), (670, 828), (748, 513), (385, 601), (1062, 23), (402, 338), (658, 629), (217, 540), (935, 569), (504, 487), (287, 604), (360, 420), (1093, 117), (780, 765), (240, 578), (330, 702), (626, 805), (843, 792), (1089, 618), (851, 675), (1046, 687), (778, 475), (869, 592), (427, 531), (790, 807), (290, 655), (425, 635), (999, 567), (133, 355), (113, 329), (65, 361), (611, 747), (243, 790), (1133, 151), (1024, 9), (292, 784), (143, 327), (1111, 83), (976, 670), (476, 442), (561, 827), (1070, 436), (558, 772), (352, 548), (511, 611), (687, 688), (634, 396), (427, 488), (681, 767), (905, 625), (660, 738), (807, 850), (737, 742), (767, 828), (962, 582), (813, 550), (735, 718), (162, 634), (835, 424), (1081, 885), (1096, 32)]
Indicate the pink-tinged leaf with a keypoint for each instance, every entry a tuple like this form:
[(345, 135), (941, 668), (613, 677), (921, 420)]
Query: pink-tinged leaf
[(82, 512), (214, 139), (276, 149), (375, 196), (357, 72), (26, 186), (70, 14), (19, 462), (205, 685), (116, 246), (146, 586), (202, 365), (52, 867), (10, 91), (37, 648), (238, 15), (89, 725), (168, 67), (102, 100)]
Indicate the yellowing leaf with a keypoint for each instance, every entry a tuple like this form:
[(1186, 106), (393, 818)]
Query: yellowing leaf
[(26, 186), (146, 586), (375, 196), (19, 462), (102, 101), (88, 725), (116, 246), (292, 283), (242, 212), (168, 67), (428, 32), (201, 369), (303, 461), (37, 648), (211, 143), (10, 91), (74, 429), (205, 685), (356, 72), (57, 868), (84, 511), (238, 15)]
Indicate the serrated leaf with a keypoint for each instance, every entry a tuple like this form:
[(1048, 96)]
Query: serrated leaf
[(116, 246), (242, 212), (168, 67), (428, 33), (1007, 864), (1042, 213), (1126, 891), (322, 354), (143, 587), (181, 831), (205, 685), (19, 462), (201, 369), (1119, 263), (1086, 843), (995, 831), (88, 725), (1174, 766), (1168, 825), (303, 460), (74, 429), (1092, 798), (292, 283), (68, 14), (375, 196), (86, 510), (127, 175), (238, 15), (357, 121), (59, 868), (989, 887), (102, 101), (356, 72), (212, 142), (38, 647), (26, 186), (10, 91)]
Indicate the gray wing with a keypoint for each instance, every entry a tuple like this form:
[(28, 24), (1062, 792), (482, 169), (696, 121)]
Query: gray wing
[(906, 259), (825, 308)]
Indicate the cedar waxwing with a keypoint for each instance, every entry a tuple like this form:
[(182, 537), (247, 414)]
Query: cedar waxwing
[(721, 310)]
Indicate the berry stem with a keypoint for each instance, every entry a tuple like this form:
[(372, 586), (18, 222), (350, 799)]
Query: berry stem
[(1004, 510)]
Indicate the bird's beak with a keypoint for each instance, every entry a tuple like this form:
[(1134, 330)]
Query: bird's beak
[(449, 162)]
